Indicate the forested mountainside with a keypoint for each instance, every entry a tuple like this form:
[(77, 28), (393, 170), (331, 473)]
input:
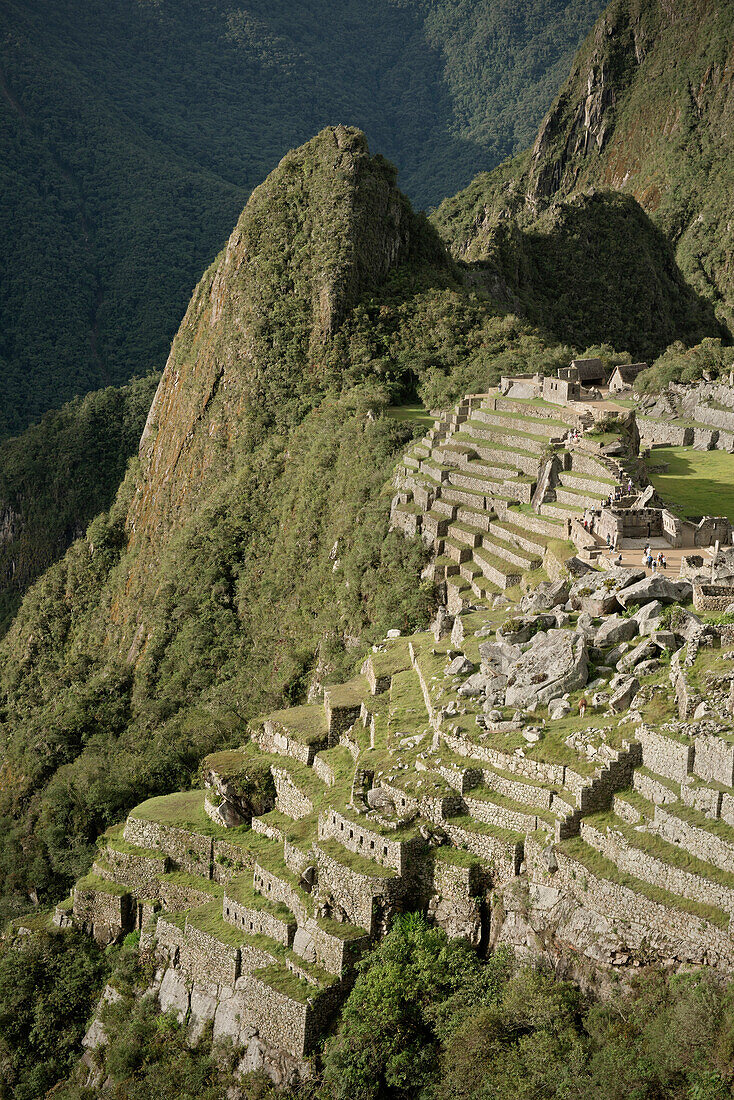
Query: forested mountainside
[(131, 134), (647, 110), (58, 475)]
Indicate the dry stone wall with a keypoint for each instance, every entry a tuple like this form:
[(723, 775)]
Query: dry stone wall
[(191, 852), (645, 866)]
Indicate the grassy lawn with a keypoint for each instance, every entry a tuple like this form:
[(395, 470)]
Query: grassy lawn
[(415, 414), (696, 483)]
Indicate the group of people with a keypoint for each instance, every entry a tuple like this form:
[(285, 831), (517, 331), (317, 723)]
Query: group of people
[(654, 562), (573, 436)]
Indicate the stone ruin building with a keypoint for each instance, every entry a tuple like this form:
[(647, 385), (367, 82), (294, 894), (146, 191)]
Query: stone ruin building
[(457, 772)]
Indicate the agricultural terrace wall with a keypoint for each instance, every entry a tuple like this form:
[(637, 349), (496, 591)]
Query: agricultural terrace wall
[(258, 921), (273, 738), (364, 898), (140, 873), (714, 759), (647, 924), (279, 1019), (502, 854), (664, 755), (230, 859), (169, 935), (553, 774), (699, 842), (457, 881), (190, 851), (177, 897), (105, 914), (276, 889), (396, 854), (330, 951), (717, 418), (291, 801), (645, 866), (663, 433), (651, 788), (206, 959)]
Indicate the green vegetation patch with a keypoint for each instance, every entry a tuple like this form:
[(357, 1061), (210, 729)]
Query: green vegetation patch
[(193, 882), (185, 810), (455, 857), (208, 919), (92, 883), (306, 724), (695, 483), (286, 982)]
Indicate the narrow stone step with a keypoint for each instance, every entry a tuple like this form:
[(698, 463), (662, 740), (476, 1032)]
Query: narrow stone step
[(501, 548), (511, 532), (497, 570)]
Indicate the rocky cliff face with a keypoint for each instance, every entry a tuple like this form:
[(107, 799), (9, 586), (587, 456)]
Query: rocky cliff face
[(326, 225)]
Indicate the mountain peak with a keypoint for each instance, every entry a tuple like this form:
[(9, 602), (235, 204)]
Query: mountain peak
[(326, 226)]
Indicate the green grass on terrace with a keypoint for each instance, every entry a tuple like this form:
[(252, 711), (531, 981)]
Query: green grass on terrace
[(185, 810), (407, 706), (486, 794), (455, 857), (92, 882), (193, 882), (115, 841), (354, 861), (286, 982), (602, 867), (208, 919), (393, 658), (696, 483), (306, 724), (414, 414), (351, 694), (663, 850), (638, 801), (241, 890), (341, 931), (469, 825), (694, 817), (663, 779)]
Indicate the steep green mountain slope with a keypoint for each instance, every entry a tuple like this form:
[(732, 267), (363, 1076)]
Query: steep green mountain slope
[(132, 132), (648, 110), (58, 475)]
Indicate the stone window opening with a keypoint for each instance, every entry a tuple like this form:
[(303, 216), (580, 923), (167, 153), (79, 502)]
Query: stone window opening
[(384, 850), (372, 844)]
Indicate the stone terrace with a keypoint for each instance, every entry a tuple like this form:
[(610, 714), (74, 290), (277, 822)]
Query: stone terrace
[(493, 484)]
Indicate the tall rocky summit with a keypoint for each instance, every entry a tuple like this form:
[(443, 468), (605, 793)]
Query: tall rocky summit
[(647, 110), (327, 225)]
